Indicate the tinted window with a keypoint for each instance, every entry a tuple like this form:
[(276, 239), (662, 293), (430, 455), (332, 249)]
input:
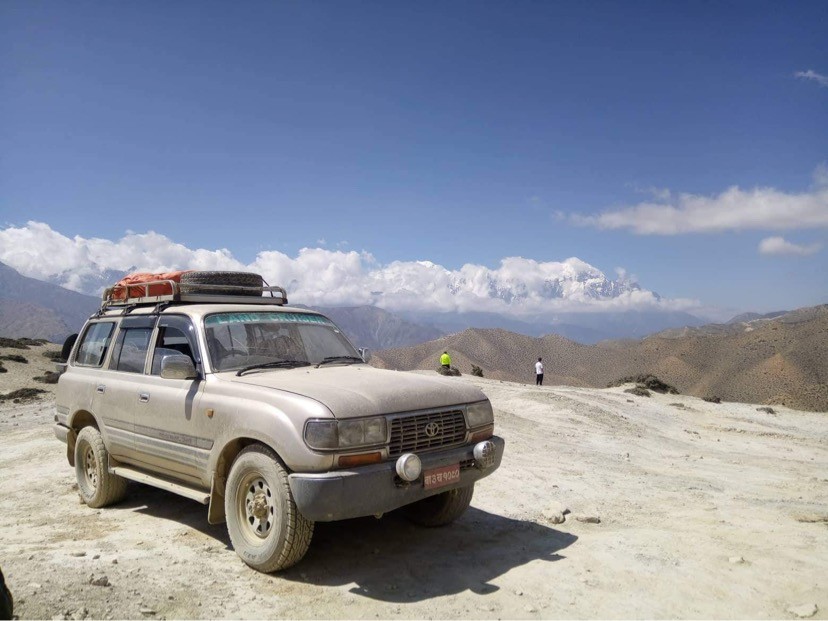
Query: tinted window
[(94, 345), (130, 351)]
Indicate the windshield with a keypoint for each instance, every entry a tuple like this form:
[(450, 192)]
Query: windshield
[(240, 340)]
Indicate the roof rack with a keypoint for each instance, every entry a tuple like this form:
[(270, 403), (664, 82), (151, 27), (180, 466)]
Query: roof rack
[(137, 294)]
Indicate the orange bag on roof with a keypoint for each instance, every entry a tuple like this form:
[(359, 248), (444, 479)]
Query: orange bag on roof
[(129, 285)]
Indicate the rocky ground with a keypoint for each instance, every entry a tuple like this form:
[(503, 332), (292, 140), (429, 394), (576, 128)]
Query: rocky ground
[(607, 505)]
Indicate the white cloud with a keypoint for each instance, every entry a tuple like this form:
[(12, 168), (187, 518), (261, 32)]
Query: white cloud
[(732, 210), (820, 79), (518, 286), (780, 246)]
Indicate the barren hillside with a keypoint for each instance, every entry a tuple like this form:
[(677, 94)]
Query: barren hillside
[(781, 361), (605, 506)]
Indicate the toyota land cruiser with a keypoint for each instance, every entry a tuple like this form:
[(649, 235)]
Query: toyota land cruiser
[(221, 393)]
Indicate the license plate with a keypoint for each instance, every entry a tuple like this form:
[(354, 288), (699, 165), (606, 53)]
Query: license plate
[(438, 477)]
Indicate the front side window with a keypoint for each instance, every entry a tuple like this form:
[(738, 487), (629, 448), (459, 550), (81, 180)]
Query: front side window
[(239, 340), (175, 337), (95, 343), (130, 351)]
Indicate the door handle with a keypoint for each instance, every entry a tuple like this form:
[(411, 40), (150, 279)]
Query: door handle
[(100, 388), (143, 397)]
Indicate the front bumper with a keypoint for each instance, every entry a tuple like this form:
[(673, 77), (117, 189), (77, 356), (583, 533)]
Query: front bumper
[(370, 490)]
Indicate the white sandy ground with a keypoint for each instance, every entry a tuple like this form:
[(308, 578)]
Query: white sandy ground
[(707, 511)]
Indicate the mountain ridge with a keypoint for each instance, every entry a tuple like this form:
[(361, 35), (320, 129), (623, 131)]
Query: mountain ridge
[(777, 361)]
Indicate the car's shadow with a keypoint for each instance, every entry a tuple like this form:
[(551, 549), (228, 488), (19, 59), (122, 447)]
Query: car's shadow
[(391, 559), (166, 505)]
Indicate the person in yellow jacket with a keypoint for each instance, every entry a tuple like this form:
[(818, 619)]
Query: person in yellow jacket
[(445, 360)]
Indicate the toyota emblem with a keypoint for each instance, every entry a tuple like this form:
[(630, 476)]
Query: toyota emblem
[(432, 429)]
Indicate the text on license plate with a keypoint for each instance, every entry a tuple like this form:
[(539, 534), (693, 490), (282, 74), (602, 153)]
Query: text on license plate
[(438, 477)]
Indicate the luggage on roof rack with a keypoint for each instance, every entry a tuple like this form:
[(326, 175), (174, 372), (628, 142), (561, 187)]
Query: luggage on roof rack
[(193, 287)]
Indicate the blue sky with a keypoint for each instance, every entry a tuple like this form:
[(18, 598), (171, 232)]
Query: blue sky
[(453, 132)]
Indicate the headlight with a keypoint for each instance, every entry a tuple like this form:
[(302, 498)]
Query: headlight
[(345, 434), (479, 414), (321, 434), (361, 432)]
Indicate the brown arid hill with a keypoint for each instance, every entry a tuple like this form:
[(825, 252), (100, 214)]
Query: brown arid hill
[(780, 361)]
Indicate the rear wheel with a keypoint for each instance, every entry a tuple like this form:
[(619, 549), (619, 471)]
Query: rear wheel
[(96, 486), (264, 524), (440, 509)]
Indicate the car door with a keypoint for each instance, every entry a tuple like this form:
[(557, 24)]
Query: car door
[(120, 385), (166, 434), (86, 387)]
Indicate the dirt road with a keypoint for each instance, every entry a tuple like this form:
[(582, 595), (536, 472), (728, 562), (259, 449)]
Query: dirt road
[(705, 510)]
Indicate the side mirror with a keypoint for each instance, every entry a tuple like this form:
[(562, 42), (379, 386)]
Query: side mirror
[(178, 367), (365, 354)]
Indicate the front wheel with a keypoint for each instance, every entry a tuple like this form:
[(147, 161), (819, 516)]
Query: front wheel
[(96, 486), (264, 524), (440, 509)]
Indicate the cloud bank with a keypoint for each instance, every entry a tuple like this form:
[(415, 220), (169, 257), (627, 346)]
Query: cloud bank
[(732, 210), (780, 246), (319, 276)]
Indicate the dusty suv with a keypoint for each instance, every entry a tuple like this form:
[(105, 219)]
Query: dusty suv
[(266, 413)]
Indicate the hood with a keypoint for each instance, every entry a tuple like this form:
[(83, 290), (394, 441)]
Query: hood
[(362, 390)]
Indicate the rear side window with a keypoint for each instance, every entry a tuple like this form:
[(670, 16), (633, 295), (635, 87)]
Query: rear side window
[(130, 351), (95, 343)]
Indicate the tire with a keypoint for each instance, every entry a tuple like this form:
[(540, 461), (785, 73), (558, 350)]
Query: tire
[(441, 509), (68, 344), (97, 487), (265, 526), (190, 280)]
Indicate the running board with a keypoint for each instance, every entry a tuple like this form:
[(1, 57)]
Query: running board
[(148, 479)]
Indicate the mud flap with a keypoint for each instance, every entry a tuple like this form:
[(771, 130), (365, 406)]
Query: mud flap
[(71, 438)]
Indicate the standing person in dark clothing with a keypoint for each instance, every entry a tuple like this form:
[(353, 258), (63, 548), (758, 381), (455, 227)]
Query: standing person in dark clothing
[(539, 372)]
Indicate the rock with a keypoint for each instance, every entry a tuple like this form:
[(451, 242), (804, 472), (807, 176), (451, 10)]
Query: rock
[(736, 560), (147, 612), (518, 592), (101, 581), (555, 514), (114, 561), (554, 517), (638, 391), (589, 519), (803, 611), (78, 554), (529, 608), (96, 557)]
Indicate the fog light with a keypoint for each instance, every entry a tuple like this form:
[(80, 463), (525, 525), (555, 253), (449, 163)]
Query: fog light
[(484, 455), (409, 467)]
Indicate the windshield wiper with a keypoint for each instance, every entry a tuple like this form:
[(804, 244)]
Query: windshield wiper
[(339, 359), (276, 364)]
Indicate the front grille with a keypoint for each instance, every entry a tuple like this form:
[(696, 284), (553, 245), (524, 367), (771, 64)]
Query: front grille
[(408, 433)]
